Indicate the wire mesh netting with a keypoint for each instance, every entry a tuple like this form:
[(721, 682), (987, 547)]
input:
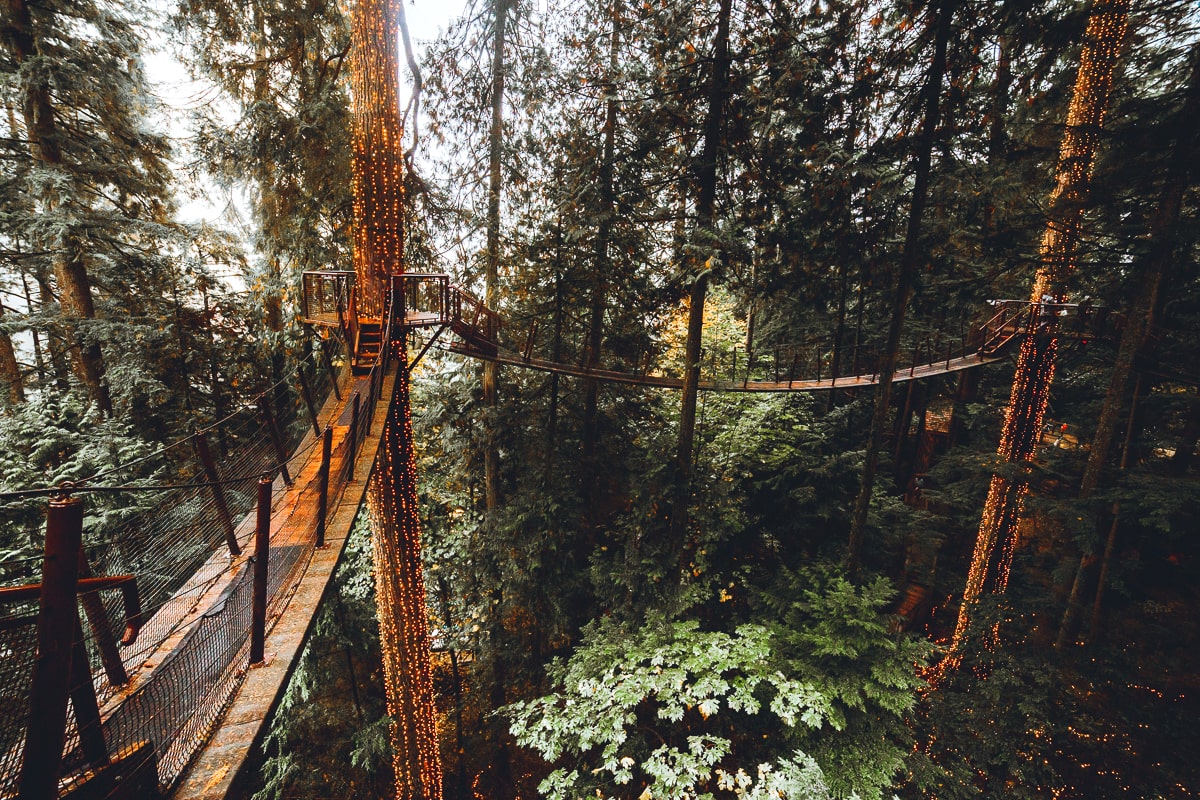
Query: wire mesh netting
[(192, 651)]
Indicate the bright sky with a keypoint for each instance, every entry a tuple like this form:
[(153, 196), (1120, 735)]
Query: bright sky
[(427, 17), (170, 81)]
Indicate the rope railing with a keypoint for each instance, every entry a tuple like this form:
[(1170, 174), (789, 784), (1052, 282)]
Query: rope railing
[(816, 361), (161, 694)]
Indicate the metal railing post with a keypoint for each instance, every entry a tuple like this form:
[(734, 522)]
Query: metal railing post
[(200, 443), (106, 643), (337, 390), (323, 484), (264, 405), (50, 684), (306, 393), (262, 555), (83, 702), (352, 439)]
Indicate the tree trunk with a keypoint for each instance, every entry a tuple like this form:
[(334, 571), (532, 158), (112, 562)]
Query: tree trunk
[(996, 539), (601, 269), (1110, 543), (706, 197), (10, 371), (556, 357), (491, 453), (1186, 446), (392, 492), (905, 280), (75, 292), (1164, 229), (38, 359), (57, 360), (400, 590), (75, 303)]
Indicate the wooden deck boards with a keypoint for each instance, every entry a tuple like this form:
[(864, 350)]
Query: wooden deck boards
[(218, 765)]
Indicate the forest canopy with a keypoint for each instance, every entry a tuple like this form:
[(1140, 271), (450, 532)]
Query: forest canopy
[(970, 581)]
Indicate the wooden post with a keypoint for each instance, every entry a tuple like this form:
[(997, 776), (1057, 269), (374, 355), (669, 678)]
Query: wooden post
[(83, 701), (50, 684), (352, 449), (323, 484), (200, 443), (264, 406), (306, 393), (333, 379), (262, 555), (106, 643), (372, 395)]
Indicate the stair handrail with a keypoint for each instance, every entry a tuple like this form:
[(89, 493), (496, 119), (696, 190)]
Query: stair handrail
[(996, 331)]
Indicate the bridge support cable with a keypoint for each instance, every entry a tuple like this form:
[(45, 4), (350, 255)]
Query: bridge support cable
[(159, 694)]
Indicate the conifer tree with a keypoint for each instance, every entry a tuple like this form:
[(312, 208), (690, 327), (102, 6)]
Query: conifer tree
[(996, 540)]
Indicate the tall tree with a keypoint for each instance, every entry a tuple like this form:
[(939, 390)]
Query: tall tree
[(996, 540), (1150, 268), (910, 261), (704, 251), (395, 520)]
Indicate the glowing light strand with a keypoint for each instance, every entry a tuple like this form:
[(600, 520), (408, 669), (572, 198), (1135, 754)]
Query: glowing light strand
[(400, 589), (378, 157), (378, 238), (991, 562)]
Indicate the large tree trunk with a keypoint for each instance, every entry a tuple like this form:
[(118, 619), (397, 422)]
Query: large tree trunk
[(11, 384), (400, 598), (1164, 235), (75, 292), (996, 540), (706, 203), (601, 269), (392, 493), (905, 279), (491, 451)]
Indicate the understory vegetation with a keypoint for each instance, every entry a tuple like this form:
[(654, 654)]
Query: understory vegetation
[(632, 594)]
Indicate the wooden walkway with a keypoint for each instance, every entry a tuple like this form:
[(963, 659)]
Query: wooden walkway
[(940, 367), (216, 768)]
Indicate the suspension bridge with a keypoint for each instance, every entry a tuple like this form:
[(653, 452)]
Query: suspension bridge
[(196, 607)]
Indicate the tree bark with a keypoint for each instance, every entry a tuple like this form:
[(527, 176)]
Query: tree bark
[(996, 539), (602, 267), (905, 280), (75, 293), (10, 370), (392, 504), (491, 453), (706, 196)]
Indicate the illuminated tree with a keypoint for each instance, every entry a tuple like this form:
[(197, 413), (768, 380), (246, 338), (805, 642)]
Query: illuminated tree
[(997, 537), (392, 496)]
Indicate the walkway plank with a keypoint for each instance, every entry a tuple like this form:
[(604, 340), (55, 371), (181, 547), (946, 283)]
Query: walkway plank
[(218, 766)]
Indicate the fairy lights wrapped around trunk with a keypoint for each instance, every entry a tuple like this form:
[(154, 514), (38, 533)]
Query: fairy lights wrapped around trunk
[(996, 541), (378, 173), (378, 154)]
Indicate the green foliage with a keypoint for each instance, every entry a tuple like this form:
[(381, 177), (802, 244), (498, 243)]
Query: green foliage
[(58, 439), (816, 699), (643, 713), (836, 635)]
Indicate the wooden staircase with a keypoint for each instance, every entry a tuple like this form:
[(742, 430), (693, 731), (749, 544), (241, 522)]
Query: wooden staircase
[(367, 345)]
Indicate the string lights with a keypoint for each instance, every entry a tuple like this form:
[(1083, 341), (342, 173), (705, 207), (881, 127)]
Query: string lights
[(400, 597), (991, 562), (392, 494), (378, 154)]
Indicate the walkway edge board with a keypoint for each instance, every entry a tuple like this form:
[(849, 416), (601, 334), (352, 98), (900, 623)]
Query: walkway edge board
[(219, 765)]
